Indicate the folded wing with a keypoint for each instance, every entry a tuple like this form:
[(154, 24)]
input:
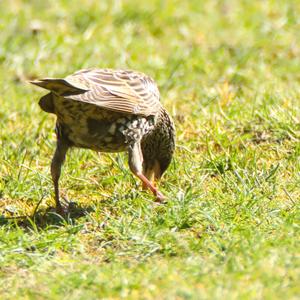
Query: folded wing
[(118, 90)]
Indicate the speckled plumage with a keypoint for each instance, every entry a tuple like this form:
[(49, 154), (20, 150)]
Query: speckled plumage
[(110, 111)]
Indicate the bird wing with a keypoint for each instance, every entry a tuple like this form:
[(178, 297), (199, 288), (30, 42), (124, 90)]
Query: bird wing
[(124, 91)]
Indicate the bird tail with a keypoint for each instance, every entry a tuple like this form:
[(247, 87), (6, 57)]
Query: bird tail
[(59, 86)]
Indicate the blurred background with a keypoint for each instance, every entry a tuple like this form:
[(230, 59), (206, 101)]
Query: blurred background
[(185, 45)]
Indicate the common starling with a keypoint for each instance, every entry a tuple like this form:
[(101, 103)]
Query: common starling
[(110, 110)]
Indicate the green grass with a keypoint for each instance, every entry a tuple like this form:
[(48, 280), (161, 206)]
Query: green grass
[(229, 74)]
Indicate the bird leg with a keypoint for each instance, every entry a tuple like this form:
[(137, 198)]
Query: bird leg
[(57, 161), (150, 176), (135, 159)]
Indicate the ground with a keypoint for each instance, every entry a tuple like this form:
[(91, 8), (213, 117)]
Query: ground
[(228, 72)]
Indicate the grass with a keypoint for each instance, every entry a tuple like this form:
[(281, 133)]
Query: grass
[(228, 72)]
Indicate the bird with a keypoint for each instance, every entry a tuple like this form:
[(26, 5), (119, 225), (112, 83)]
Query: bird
[(110, 110)]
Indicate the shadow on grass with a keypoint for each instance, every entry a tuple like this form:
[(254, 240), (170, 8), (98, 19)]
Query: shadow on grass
[(42, 219)]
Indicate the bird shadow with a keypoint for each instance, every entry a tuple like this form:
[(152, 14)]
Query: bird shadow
[(42, 219)]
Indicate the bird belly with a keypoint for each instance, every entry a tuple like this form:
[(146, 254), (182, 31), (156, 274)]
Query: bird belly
[(89, 126)]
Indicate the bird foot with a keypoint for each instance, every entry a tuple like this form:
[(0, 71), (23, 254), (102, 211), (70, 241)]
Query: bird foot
[(62, 210), (65, 208), (160, 198)]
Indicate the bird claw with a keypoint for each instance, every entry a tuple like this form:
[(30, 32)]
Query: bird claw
[(64, 208), (160, 198)]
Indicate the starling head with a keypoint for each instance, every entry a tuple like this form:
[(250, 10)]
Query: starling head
[(158, 147)]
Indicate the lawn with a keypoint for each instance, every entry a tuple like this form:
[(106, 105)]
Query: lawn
[(229, 74)]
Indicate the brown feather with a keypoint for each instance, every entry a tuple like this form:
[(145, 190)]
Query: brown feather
[(124, 91)]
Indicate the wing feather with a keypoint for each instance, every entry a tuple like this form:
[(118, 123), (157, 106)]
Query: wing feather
[(118, 90)]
